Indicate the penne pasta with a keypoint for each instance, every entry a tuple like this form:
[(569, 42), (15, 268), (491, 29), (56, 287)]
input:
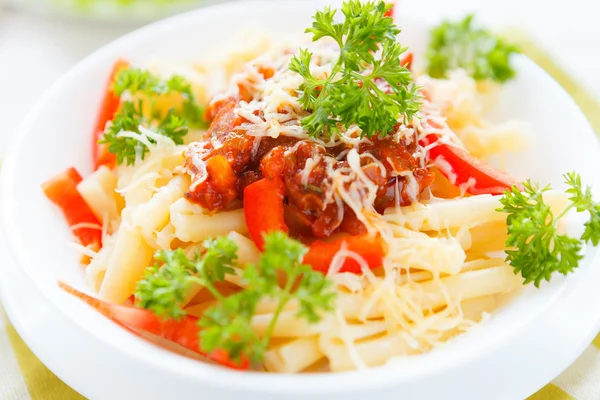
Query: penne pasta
[(357, 331), (433, 294), (165, 237), (153, 215), (126, 265), (470, 211), (98, 191), (247, 253), (473, 265), (193, 225), (489, 237), (138, 183), (475, 309), (437, 255), (96, 270), (294, 356), (365, 354), (470, 285), (288, 325)]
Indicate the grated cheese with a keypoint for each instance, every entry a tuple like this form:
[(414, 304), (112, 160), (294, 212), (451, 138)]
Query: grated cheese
[(408, 305)]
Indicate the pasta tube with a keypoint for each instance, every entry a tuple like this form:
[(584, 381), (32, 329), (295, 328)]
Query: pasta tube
[(138, 184), (126, 265), (294, 356), (98, 191), (438, 255), (470, 211), (153, 215), (165, 237), (288, 325), (436, 293), (193, 225), (368, 353), (489, 237), (96, 270), (247, 252)]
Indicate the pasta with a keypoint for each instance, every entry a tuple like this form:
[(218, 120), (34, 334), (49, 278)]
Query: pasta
[(262, 223), (126, 264), (192, 224), (366, 354), (153, 215), (438, 255), (98, 190), (287, 325), (464, 102), (469, 211), (294, 356)]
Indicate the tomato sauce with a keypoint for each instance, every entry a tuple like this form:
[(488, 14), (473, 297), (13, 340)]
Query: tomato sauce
[(235, 160)]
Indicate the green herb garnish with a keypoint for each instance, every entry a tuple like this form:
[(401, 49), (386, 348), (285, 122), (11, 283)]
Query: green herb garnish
[(354, 93), (143, 90), (535, 248), (476, 50), (228, 324)]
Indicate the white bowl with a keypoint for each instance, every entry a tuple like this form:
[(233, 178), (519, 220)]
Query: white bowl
[(522, 347)]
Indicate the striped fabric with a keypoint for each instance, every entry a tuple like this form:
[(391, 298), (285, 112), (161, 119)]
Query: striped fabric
[(23, 376), (580, 381)]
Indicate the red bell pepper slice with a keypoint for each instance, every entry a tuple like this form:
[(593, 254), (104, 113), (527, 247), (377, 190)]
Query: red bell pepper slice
[(185, 332), (407, 60), (390, 12), (476, 176), (263, 208), (264, 212), (110, 105), (370, 248), (62, 191)]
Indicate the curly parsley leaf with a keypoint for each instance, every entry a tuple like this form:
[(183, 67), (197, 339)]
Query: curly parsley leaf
[(136, 80), (127, 120), (190, 110), (227, 325), (582, 200), (219, 260), (476, 50), (535, 248), (174, 127), (143, 90), (367, 87), (165, 284)]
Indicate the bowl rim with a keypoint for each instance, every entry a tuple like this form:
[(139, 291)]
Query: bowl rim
[(338, 382)]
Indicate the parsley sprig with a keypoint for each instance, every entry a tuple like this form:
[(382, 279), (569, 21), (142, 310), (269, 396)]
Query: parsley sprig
[(143, 91), (476, 50), (536, 249), (165, 284), (354, 93), (228, 324)]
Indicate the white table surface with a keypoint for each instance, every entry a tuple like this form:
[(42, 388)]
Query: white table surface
[(36, 50)]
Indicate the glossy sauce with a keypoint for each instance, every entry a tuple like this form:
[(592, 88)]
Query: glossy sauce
[(307, 211)]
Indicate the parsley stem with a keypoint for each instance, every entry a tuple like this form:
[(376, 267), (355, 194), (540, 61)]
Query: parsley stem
[(562, 214), (213, 290), (370, 83), (285, 297)]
